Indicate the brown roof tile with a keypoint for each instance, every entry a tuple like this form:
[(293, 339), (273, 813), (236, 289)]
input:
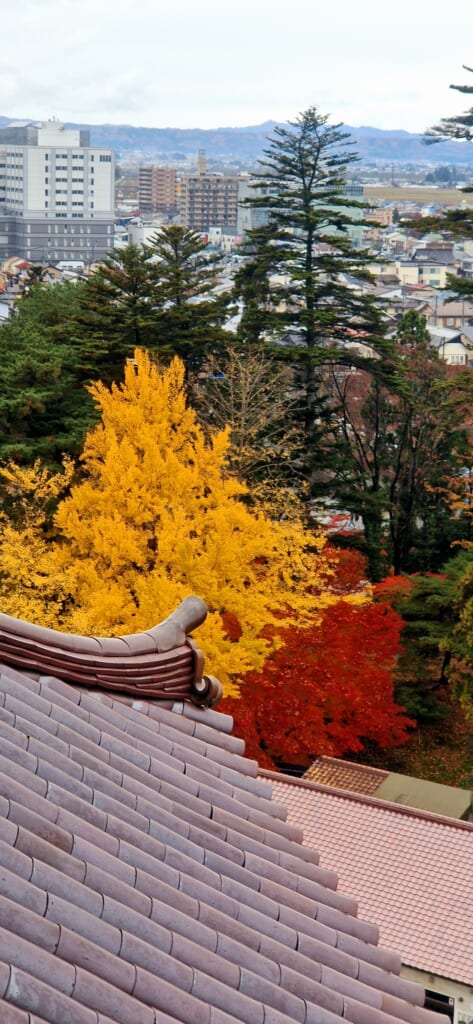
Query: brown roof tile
[(147, 876), (360, 778)]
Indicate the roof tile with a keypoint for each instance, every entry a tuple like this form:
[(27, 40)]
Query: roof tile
[(54, 1006), (163, 995), (147, 875), (411, 870), (331, 771), (100, 995)]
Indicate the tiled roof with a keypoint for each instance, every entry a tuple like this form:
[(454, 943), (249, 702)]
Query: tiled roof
[(148, 877), (331, 771), (411, 871), (391, 786), (463, 308)]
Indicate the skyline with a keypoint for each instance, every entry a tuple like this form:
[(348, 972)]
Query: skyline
[(207, 66)]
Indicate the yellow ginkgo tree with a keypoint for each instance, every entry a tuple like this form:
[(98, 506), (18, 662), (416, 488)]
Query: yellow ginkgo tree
[(157, 516), (32, 582)]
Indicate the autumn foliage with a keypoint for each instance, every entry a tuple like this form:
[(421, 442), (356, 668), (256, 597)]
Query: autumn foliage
[(305, 656), (326, 690), (156, 517)]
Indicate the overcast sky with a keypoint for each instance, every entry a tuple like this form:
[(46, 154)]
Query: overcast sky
[(212, 63)]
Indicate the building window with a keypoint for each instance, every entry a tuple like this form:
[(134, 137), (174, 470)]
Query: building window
[(104, 159), (440, 1003)]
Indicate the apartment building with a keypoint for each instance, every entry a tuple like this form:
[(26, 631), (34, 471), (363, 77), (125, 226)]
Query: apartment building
[(56, 194), (208, 200), (157, 189)]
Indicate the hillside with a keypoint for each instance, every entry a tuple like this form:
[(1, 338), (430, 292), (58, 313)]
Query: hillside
[(246, 144)]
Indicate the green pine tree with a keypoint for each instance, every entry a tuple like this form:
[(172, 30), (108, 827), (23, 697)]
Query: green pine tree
[(457, 223), (188, 309), (45, 409), (301, 258)]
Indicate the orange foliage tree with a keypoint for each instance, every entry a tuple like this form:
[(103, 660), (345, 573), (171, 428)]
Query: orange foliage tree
[(327, 690)]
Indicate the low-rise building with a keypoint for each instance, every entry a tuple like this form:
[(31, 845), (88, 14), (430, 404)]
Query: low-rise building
[(411, 871)]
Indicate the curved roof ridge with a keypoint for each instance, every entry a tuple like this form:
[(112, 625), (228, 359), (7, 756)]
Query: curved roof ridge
[(162, 662)]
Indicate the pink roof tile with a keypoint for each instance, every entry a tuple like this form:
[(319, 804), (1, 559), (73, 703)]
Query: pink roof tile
[(147, 876), (410, 871)]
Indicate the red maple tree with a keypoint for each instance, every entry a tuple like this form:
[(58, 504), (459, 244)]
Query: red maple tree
[(327, 690), (350, 569)]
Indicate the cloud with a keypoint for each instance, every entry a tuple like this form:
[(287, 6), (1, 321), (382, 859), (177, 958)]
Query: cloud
[(189, 64)]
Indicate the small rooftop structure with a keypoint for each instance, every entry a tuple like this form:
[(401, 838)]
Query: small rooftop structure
[(392, 786)]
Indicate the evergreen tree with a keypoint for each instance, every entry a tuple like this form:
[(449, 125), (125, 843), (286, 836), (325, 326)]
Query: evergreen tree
[(436, 666), (458, 223), (188, 313), (458, 127), (160, 297), (117, 309), (64, 336), (300, 257), (302, 284), (45, 409)]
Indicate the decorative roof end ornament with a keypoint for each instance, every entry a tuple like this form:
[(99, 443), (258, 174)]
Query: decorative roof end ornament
[(162, 663)]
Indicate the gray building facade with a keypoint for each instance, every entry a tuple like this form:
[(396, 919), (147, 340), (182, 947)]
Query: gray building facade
[(56, 194)]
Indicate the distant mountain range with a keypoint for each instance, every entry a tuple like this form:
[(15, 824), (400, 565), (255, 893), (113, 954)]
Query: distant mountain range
[(246, 144)]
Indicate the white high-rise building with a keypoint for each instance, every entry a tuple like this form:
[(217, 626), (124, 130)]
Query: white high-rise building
[(56, 194)]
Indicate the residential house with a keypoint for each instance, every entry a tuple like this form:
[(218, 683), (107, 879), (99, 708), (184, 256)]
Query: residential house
[(450, 344), (456, 313), (410, 271)]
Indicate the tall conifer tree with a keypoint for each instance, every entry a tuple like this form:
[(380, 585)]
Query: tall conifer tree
[(457, 222), (302, 286)]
